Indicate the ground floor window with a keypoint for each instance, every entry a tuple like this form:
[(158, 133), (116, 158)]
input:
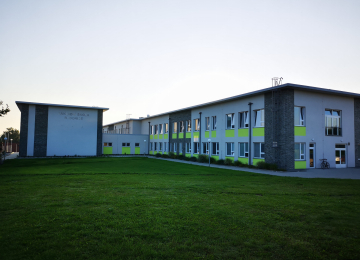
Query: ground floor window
[(180, 147), (196, 147), (188, 147), (229, 149), (155, 146), (175, 147), (299, 151), (151, 146), (259, 150), (243, 149), (206, 148), (137, 144), (215, 148), (107, 144), (165, 147), (125, 144), (160, 146)]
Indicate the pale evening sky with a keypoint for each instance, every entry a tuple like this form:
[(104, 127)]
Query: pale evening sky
[(149, 57)]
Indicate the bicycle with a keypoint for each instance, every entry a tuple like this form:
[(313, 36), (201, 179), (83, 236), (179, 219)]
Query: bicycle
[(325, 164)]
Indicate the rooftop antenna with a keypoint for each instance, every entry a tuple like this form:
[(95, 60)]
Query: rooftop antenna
[(276, 81)]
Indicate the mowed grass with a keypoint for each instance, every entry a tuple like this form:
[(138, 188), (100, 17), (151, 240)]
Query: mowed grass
[(140, 208)]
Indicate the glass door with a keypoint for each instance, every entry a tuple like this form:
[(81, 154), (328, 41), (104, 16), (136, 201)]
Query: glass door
[(340, 156), (312, 155)]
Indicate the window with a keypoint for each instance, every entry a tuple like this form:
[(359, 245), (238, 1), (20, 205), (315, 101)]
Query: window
[(259, 150), (243, 149), (299, 151), (188, 147), (151, 129), (151, 146), (215, 148), (299, 116), (205, 148), (180, 147), (259, 118), (196, 147), (156, 129), (155, 146), (175, 127), (160, 146), (105, 144), (181, 126), (213, 123), (125, 144), (188, 125), (137, 144), (207, 123), (197, 124), (332, 122), (230, 122), (244, 119), (229, 149), (165, 146), (166, 128), (161, 129)]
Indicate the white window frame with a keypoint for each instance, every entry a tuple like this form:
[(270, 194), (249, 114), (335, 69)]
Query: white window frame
[(181, 126), (205, 148), (213, 119), (300, 111), (188, 125), (156, 129), (165, 146), (174, 147), (215, 151), (166, 128), (336, 119), (302, 148), (160, 146), (262, 151), (196, 148), (161, 129), (232, 121), (175, 127), (188, 148), (259, 118), (232, 151), (151, 129), (244, 119), (207, 123), (246, 150), (151, 146), (197, 124), (155, 146)]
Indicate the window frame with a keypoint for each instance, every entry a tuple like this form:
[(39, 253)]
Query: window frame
[(188, 148), (175, 127), (213, 122), (181, 127), (207, 123), (246, 150), (196, 148), (302, 148), (262, 118), (166, 128), (205, 147), (161, 129), (188, 125), (261, 150), (332, 118), (243, 122), (197, 124), (232, 150), (215, 151), (232, 121)]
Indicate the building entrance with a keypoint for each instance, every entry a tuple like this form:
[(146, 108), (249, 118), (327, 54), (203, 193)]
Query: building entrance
[(340, 156)]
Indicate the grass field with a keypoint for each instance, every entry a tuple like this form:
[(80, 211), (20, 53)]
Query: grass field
[(140, 208)]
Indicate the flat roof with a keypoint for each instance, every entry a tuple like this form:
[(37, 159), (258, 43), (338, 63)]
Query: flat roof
[(60, 105)]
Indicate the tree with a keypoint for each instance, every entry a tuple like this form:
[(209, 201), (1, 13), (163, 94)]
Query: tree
[(11, 133), (4, 111)]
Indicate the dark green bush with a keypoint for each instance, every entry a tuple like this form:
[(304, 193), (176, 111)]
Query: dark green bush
[(238, 163), (220, 162), (165, 155), (212, 160), (193, 159), (181, 157), (158, 154), (267, 166), (203, 158), (187, 158), (228, 161)]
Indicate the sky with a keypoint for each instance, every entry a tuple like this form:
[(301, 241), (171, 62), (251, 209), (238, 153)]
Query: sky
[(149, 57)]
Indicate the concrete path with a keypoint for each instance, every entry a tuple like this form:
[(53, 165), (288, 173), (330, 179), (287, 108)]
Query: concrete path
[(346, 173), (11, 156)]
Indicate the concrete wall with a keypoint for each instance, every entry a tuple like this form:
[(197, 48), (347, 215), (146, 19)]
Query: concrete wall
[(164, 138), (177, 137), (315, 105), (24, 109)]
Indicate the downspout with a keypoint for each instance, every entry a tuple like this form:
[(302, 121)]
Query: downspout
[(250, 132), (200, 134), (149, 140)]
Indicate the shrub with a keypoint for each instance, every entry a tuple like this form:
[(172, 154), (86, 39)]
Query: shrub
[(171, 154), (261, 165), (158, 154), (238, 163), (220, 162), (212, 160), (267, 166), (165, 155), (203, 158), (193, 159), (181, 157), (228, 161)]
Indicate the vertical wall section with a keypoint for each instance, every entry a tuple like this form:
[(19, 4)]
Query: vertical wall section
[(279, 128), (99, 133), (177, 117), (357, 131), (24, 108), (41, 130)]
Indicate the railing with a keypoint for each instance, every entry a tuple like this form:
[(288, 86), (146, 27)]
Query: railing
[(333, 131), (120, 131)]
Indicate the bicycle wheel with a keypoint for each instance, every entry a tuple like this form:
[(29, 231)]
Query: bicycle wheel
[(327, 165)]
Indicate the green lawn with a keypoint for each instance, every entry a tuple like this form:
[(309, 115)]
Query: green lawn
[(140, 208)]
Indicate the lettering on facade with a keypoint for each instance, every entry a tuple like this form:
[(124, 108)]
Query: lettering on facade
[(74, 115)]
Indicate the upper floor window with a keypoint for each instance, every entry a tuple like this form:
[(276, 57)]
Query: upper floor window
[(214, 123), (166, 128), (207, 123), (259, 118), (175, 127), (197, 124), (126, 144), (299, 116), (332, 122), (156, 129), (230, 121), (161, 129), (151, 129), (188, 127), (244, 119), (181, 126)]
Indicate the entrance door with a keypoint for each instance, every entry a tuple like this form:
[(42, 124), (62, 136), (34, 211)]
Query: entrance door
[(312, 155), (340, 156)]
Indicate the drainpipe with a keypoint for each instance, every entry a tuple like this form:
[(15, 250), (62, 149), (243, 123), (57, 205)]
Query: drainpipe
[(149, 140), (200, 134), (250, 133)]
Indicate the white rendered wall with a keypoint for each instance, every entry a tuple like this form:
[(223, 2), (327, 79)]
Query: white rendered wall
[(315, 105), (71, 131), (31, 131)]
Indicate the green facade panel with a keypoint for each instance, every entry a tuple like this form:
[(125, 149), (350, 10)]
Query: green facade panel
[(188, 135), (229, 157), (161, 136), (213, 134), (300, 164), (243, 132), (181, 135), (137, 150), (243, 160), (299, 130), (125, 150), (155, 136), (166, 136), (107, 150), (230, 133), (207, 134), (174, 136), (259, 131), (151, 137)]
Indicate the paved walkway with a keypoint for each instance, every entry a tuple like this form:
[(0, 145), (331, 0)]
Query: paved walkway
[(346, 173), (11, 156)]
